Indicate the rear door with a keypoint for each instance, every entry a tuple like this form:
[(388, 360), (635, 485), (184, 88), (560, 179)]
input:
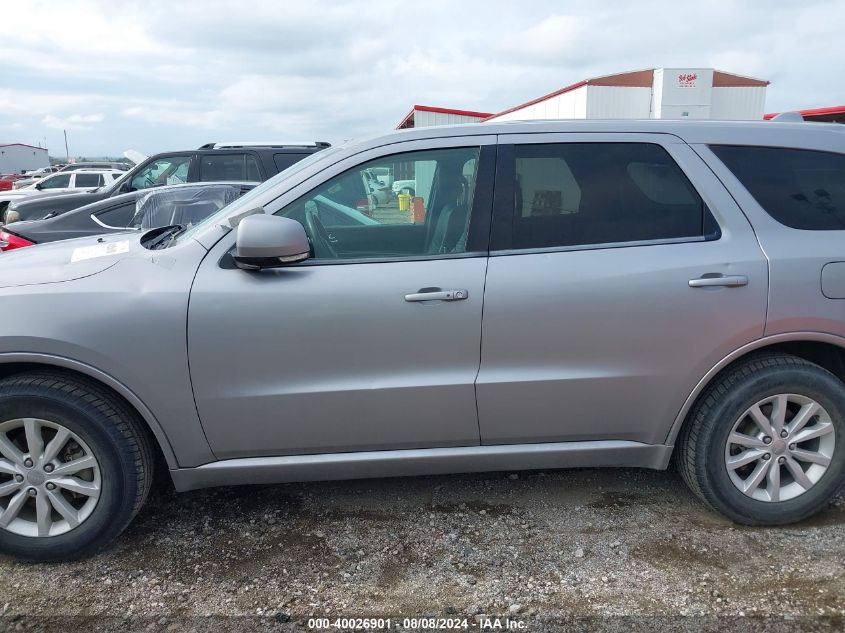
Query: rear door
[(621, 271)]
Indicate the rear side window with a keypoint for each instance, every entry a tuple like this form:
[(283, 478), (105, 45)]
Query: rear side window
[(803, 189), (570, 194), (88, 180), (229, 168), (117, 217), (283, 161)]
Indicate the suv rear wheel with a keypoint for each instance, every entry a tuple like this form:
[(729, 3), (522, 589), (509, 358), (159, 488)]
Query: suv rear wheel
[(764, 445), (75, 466)]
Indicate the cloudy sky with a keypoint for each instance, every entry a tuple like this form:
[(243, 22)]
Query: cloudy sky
[(163, 75)]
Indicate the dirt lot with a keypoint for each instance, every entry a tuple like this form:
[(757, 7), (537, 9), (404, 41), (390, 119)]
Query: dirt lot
[(557, 550)]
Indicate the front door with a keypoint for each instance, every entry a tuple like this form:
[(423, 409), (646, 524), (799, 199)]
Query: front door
[(621, 271), (372, 344)]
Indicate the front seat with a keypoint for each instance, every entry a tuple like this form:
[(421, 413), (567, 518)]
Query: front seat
[(451, 224)]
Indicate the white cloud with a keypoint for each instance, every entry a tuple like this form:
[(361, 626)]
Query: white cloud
[(174, 75), (72, 122)]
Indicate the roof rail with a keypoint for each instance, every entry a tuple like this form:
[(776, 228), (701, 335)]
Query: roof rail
[(239, 144)]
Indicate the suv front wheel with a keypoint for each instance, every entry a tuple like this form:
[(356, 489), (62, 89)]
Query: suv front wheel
[(75, 466), (764, 445)]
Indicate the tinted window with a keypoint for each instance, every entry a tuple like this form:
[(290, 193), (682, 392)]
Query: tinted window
[(172, 170), (283, 161), (229, 167), (118, 217), (59, 181), (570, 194), (88, 180), (345, 218), (802, 189)]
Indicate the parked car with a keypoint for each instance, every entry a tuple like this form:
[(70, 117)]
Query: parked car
[(71, 183), (650, 290), (7, 181), (407, 186), (378, 192), (33, 175), (240, 162), (132, 211)]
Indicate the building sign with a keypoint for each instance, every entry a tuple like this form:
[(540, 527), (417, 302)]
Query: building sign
[(687, 80)]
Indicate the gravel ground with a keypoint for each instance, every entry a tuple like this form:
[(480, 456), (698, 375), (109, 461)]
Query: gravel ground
[(564, 550)]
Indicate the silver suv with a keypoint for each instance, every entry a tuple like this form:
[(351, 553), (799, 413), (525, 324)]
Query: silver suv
[(554, 294)]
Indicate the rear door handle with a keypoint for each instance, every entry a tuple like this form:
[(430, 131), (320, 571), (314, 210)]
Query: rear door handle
[(438, 295), (730, 281)]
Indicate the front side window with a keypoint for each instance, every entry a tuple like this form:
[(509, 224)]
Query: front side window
[(803, 189), (569, 194), (60, 181), (172, 170), (355, 216)]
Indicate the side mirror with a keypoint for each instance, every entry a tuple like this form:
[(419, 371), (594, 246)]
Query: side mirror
[(270, 241)]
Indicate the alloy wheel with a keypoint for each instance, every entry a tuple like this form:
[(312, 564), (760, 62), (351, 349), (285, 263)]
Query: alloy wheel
[(50, 480), (780, 447)]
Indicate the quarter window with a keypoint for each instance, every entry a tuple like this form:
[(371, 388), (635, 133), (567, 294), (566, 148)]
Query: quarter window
[(569, 194), (802, 189), (356, 216)]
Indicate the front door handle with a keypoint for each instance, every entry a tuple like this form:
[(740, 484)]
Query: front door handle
[(730, 281), (438, 295)]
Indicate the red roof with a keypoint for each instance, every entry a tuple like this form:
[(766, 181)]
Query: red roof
[(424, 108), (811, 112), (634, 79)]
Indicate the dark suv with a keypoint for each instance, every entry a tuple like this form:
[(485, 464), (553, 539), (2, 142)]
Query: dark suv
[(240, 162)]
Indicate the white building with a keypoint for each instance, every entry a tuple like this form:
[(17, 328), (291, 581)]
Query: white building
[(17, 157), (656, 93), (424, 116)]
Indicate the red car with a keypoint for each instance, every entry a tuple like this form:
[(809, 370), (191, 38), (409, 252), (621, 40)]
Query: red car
[(7, 181)]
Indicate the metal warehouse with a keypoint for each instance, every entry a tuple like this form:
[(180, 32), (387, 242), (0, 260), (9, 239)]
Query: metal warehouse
[(17, 157), (654, 93)]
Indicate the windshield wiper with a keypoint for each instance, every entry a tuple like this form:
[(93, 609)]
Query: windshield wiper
[(164, 236)]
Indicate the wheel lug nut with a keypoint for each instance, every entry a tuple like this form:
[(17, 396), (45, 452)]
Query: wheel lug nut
[(792, 447), (49, 468), (781, 460), (19, 478), (767, 456), (32, 492), (51, 486), (767, 440), (784, 433), (28, 462)]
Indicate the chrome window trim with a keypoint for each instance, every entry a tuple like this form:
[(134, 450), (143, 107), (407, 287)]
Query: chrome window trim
[(606, 245)]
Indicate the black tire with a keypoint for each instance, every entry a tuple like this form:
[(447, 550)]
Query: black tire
[(700, 451), (115, 435)]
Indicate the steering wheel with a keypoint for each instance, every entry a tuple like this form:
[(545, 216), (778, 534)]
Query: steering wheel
[(319, 234)]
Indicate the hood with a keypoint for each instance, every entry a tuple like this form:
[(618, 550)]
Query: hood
[(66, 260)]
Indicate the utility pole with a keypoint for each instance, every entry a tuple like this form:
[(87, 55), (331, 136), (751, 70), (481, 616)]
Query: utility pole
[(67, 152)]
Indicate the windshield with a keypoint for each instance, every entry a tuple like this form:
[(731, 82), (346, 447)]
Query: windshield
[(245, 201)]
